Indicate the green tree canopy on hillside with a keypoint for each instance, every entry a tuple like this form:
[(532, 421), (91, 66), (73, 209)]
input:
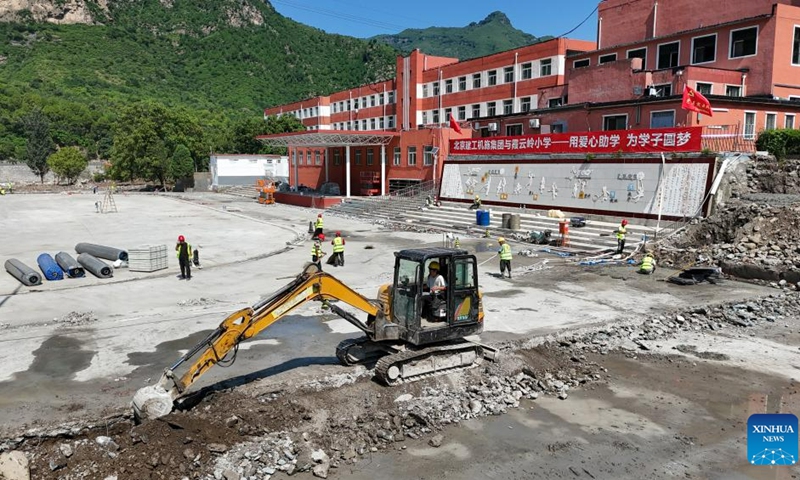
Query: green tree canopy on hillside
[(68, 163), (39, 144)]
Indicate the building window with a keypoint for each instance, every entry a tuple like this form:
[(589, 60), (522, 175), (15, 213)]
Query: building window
[(390, 121), (381, 123), (788, 122), (770, 122), (663, 119), (381, 100), (546, 67), (462, 84), (448, 86), (611, 57), (317, 158), (427, 155), (639, 53), (554, 102), (491, 109), (743, 42), (615, 122), (334, 108), (391, 97), (425, 91), (294, 157), (396, 157), (733, 90), (796, 47), (668, 55), (704, 49), (435, 116), (435, 89), (424, 118), (476, 111), (704, 88), (508, 107), (527, 71), (664, 90), (581, 63), (508, 74), (370, 157), (412, 156), (749, 125), (308, 157), (372, 124), (476, 80), (372, 100), (447, 113), (513, 130), (492, 78), (337, 157), (364, 124), (462, 113), (525, 104), (358, 157)]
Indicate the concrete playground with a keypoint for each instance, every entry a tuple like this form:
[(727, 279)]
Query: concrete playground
[(79, 348)]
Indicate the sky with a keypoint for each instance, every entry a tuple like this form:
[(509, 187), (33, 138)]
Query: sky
[(367, 18)]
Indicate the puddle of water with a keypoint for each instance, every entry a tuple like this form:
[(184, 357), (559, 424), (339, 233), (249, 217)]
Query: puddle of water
[(487, 246), (504, 293), (60, 357)]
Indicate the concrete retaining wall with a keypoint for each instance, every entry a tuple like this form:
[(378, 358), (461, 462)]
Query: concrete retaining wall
[(20, 174)]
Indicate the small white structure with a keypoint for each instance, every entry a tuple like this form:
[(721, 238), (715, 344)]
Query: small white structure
[(235, 169)]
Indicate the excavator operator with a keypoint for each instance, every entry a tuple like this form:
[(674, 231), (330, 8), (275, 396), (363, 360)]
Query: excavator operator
[(431, 299)]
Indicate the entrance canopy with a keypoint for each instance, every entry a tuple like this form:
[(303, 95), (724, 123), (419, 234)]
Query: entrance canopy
[(328, 138), (334, 138)]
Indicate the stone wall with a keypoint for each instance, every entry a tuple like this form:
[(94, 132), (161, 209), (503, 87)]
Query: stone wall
[(20, 174)]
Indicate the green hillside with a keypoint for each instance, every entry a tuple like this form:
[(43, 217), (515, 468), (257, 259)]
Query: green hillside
[(491, 35), (216, 59)]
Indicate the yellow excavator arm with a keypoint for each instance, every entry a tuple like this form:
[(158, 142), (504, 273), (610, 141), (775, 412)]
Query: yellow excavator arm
[(156, 401)]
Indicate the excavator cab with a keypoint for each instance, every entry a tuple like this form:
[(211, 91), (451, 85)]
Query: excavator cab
[(425, 317)]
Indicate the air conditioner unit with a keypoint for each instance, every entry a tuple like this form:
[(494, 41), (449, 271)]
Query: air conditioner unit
[(476, 126), (637, 90), (492, 127), (652, 92), (534, 123)]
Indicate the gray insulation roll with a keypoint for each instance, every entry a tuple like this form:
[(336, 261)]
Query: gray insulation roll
[(69, 265), (97, 267), (102, 251), (23, 273)]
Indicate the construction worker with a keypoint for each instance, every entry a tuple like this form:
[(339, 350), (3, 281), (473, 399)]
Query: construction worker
[(457, 243), (648, 264), (621, 231), (318, 226), (338, 250), (317, 254), (476, 204), (434, 285), (183, 251), (505, 256)]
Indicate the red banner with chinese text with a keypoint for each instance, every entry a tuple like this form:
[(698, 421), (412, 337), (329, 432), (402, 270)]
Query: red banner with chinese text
[(666, 140)]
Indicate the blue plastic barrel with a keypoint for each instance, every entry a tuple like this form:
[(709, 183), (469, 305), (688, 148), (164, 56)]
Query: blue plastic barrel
[(483, 218), (49, 267), (478, 217)]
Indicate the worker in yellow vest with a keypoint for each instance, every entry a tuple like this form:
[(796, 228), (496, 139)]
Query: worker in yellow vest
[(476, 204), (317, 254), (318, 226), (505, 257), (648, 264), (621, 231), (183, 250), (338, 250)]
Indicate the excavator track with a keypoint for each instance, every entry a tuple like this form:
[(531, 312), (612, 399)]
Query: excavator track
[(355, 351), (412, 365)]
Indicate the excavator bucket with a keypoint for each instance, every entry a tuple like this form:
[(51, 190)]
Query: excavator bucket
[(151, 402)]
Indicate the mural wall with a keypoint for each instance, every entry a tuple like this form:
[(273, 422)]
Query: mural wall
[(639, 188)]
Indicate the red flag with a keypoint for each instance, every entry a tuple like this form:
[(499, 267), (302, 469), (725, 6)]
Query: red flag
[(454, 125), (695, 101)]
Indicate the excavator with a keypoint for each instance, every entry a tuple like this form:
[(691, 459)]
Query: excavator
[(410, 332)]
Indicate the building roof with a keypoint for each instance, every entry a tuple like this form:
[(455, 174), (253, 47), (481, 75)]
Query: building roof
[(328, 138)]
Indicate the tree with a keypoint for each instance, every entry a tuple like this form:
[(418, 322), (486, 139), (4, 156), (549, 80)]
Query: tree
[(182, 164), (39, 144), (68, 163)]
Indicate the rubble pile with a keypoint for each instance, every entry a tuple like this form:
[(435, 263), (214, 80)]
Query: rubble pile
[(769, 175), (77, 318), (756, 234), (634, 336)]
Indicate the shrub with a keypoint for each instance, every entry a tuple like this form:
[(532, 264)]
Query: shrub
[(779, 143)]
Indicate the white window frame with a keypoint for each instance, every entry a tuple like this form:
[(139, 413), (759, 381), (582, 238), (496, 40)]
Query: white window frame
[(644, 60), (697, 87), (542, 64), (741, 90), (509, 69), (795, 32), (615, 115), (671, 93), (409, 151), (716, 44), (510, 125), (658, 54), (425, 90), (730, 41), (427, 155), (588, 60), (472, 110), (448, 86), (489, 78), (466, 83), (522, 102), (523, 68), (674, 116), (786, 121), (745, 135), (766, 117), (477, 76), (599, 57), (462, 112), (397, 156)]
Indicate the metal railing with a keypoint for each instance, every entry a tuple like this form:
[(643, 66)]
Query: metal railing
[(729, 138)]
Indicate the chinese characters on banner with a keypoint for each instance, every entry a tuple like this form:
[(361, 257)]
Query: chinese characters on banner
[(664, 140)]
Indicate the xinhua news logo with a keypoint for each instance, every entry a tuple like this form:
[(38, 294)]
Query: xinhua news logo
[(772, 439)]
